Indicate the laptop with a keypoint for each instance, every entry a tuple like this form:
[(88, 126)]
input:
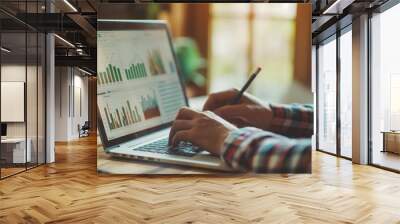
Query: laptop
[(139, 93)]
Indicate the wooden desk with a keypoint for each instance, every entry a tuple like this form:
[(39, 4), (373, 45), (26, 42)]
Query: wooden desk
[(391, 141), (113, 165), (13, 150)]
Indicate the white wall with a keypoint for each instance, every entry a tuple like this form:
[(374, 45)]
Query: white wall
[(70, 83), (61, 103), (12, 73), (79, 117)]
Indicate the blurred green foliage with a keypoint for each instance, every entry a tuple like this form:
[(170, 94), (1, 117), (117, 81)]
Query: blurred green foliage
[(190, 61)]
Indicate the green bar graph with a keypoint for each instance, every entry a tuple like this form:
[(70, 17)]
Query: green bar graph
[(109, 75), (119, 74), (114, 69), (112, 74), (136, 71), (105, 77)]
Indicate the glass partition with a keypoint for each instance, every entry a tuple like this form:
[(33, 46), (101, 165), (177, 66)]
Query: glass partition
[(385, 89), (22, 88), (14, 153), (327, 96)]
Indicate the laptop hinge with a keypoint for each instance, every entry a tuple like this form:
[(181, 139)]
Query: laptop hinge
[(111, 148)]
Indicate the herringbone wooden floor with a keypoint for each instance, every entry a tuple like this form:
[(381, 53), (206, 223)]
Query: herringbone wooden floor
[(70, 191)]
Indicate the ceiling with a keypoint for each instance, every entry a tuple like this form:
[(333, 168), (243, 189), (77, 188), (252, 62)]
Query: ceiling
[(74, 22)]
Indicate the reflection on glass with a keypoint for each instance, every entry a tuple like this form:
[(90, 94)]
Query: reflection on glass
[(346, 94), (327, 97), (385, 86)]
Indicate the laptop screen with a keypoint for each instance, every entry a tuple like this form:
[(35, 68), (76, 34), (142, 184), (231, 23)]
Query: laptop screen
[(138, 86)]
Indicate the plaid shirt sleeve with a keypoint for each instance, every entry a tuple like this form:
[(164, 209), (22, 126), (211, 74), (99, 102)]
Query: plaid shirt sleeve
[(293, 120), (252, 149)]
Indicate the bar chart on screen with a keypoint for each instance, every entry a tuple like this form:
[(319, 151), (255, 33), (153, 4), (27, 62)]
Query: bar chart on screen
[(122, 116), (156, 63), (130, 110), (124, 62), (112, 74), (150, 106), (136, 71)]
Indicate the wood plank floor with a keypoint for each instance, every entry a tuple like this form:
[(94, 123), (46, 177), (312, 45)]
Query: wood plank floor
[(70, 191)]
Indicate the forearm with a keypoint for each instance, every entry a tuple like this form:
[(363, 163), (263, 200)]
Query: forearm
[(251, 149), (293, 120)]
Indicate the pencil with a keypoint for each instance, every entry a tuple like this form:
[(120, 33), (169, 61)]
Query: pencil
[(245, 87)]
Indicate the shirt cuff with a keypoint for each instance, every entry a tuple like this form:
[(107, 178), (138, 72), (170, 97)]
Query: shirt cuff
[(294, 120), (236, 144)]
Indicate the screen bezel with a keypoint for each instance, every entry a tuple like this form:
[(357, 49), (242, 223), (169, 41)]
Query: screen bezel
[(121, 25)]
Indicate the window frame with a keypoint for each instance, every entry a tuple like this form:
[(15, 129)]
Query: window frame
[(334, 36)]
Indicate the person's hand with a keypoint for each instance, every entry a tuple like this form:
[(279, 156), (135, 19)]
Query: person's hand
[(203, 129), (248, 112)]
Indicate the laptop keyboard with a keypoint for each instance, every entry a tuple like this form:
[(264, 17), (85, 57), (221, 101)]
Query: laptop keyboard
[(161, 146)]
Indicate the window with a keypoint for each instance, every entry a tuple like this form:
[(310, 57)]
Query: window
[(327, 96), (346, 94), (229, 64), (385, 88), (244, 36), (334, 93)]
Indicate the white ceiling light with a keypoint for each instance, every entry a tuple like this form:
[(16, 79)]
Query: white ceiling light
[(84, 71), (70, 5), (5, 50), (65, 41), (337, 7)]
